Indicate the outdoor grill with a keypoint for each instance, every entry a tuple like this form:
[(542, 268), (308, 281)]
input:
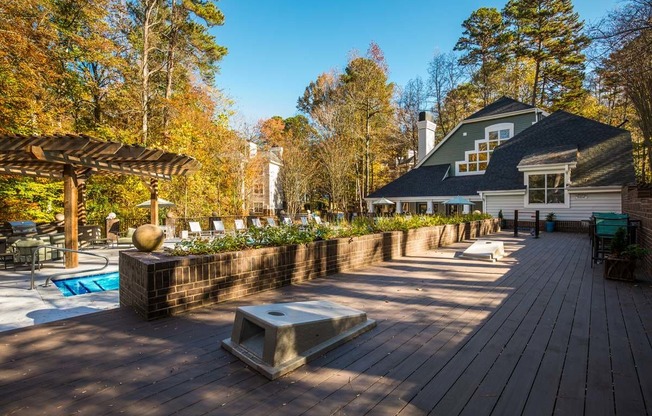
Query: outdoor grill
[(15, 230)]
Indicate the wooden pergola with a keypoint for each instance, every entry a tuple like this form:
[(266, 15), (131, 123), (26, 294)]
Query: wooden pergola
[(74, 158)]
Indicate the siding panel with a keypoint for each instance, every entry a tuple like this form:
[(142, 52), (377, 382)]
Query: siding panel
[(455, 146), (581, 205)]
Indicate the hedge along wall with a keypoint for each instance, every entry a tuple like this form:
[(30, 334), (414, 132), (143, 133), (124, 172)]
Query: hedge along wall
[(157, 285)]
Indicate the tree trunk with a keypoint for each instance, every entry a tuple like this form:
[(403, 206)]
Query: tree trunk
[(170, 68), (150, 9)]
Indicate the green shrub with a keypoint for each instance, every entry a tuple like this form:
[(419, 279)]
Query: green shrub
[(288, 235)]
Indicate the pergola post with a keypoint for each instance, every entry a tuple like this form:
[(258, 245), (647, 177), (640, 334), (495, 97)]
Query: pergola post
[(70, 212), (81, 201), (153, 189)]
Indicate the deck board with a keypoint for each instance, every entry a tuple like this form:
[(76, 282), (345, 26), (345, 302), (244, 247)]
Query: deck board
[(538, 332)]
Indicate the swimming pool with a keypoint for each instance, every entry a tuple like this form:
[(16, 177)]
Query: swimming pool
[(88, 284)]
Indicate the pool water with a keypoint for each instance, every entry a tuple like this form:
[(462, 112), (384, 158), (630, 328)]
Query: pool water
[(88, 284)]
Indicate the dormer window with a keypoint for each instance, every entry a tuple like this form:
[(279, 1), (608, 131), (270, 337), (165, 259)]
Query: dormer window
[(547, 175), (476, 161)]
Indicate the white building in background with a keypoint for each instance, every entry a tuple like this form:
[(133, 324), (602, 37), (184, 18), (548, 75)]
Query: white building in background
[(265, 196)]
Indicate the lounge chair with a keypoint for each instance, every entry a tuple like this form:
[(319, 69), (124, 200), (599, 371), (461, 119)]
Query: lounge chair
[(218, 227), (240, 226), (271, 222), (256, 223), (287, 221), (318, 220), (195, 229), (304, 221)]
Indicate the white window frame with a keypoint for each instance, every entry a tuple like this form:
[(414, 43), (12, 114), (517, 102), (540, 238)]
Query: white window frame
[(476, 148), (526, 181), (258, 188), (258, 207)]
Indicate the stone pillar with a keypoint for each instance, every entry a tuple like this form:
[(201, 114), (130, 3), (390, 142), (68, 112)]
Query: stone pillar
[(430, 209), (370, 206), (399, 207), (466, 209)]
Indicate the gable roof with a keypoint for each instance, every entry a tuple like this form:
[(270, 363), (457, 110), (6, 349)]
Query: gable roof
[(500, 106), (604, 153), (429, 181)]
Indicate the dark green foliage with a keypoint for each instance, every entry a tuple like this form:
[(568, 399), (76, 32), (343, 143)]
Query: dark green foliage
[(549, 33), (621, 248), (485, 42), (288, 235)]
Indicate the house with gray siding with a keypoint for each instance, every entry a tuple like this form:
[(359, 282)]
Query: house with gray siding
[(510, 155)]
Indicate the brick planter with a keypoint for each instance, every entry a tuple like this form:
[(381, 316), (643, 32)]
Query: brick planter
[(157, 285)]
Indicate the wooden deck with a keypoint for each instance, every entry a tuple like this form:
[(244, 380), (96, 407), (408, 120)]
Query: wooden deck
[(539, 332)]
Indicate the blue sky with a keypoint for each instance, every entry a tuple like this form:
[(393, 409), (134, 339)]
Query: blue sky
[(276, 47)]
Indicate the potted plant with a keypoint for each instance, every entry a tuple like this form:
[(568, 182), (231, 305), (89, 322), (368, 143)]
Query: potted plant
[(621, 263), (502, 219), (550, 222)]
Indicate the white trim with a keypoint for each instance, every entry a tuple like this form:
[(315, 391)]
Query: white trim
[(594, 189), (547, 168), (475, 120), (498, 127), (447, 172), (504, 192)]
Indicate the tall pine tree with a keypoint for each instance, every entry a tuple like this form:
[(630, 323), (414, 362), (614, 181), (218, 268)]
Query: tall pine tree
[(485, 43), (549, 33)]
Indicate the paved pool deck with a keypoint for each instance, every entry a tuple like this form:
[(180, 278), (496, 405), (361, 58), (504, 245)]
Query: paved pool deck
[(22, 307)]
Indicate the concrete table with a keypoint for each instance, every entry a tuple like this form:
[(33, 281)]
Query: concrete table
[(278, 338)]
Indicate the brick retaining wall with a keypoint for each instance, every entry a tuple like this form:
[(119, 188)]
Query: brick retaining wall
[(637, 202), (157, 285)]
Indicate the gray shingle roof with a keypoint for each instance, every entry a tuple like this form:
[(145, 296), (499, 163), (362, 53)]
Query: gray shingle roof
[(500, 106), (560, 154), (428, 181), (604, 153)]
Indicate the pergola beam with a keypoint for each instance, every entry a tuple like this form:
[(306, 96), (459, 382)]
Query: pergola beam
[(75, 157)]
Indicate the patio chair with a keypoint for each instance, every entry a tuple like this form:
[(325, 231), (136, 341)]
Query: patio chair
[(304, 221), (24, 249), (218, 227), (287, 221), (240, 226), (195, 229), (318, 220), (605, 227), (6, 257), (271, 222), (256, 223)]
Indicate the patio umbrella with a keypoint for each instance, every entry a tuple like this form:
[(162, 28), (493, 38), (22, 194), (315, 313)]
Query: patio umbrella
[(383, 201), (458, 200), (162, 203)]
